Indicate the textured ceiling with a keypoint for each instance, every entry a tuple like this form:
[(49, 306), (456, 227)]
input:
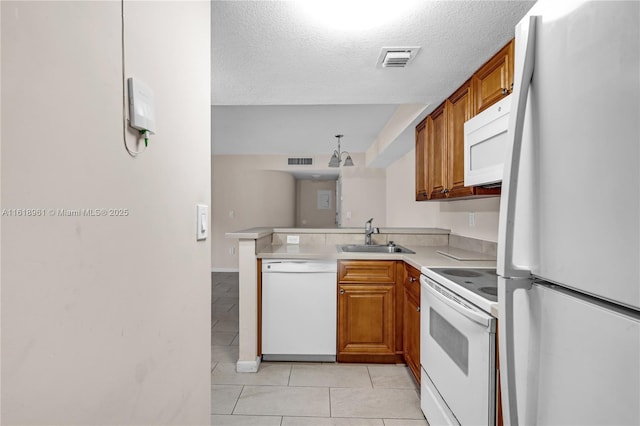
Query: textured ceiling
[(269, 53)]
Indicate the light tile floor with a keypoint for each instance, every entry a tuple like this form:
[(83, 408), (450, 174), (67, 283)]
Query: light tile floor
[(300, 394)]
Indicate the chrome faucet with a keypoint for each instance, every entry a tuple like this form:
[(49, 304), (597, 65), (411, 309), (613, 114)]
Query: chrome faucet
[(368, 230)]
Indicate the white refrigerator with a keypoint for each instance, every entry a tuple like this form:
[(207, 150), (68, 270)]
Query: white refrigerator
[(569, 231)]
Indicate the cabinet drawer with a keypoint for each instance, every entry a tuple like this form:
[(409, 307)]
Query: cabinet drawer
[(367, 271), (412, 281)]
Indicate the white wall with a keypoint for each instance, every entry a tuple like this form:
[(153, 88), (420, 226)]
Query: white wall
[(308, 215), (402, 207), (260, 191), (403, 210), (363, 196), (247, 192), (105, 320)]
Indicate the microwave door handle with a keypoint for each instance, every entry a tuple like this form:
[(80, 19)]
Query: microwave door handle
[(522, 81), (506, 266), (468, 313)]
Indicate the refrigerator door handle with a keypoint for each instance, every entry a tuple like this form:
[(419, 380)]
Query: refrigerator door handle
[(522, 80), (506, 288), (506, 266)]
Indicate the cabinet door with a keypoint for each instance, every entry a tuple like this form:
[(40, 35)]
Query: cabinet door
[(494, 80), (421, 161), (411, 320), (366, 322), (412, 334), (459, 108), (437, 153)]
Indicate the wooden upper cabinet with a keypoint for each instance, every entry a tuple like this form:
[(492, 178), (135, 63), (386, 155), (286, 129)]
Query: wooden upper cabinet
[(440, 136), (421, 170), (459, 108), (494, 80), (437, 153)]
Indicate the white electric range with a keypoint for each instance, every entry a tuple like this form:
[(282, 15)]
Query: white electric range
[(457, 346)]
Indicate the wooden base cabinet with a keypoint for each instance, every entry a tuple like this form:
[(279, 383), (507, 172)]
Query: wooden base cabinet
[(367, 311), (411, 323)]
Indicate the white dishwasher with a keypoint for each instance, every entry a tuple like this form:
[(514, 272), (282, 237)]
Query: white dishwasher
[(299, 299)]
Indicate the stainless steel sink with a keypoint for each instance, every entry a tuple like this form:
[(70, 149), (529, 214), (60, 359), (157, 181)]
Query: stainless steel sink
[(374, 248)]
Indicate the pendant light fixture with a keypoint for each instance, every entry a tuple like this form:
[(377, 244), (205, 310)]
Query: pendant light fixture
[(336, 158)]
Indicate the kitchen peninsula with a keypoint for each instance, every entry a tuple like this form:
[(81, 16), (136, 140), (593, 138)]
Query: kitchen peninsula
[(271, 243)]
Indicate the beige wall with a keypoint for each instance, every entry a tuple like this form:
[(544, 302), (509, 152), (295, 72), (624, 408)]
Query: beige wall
[(308, 215), (259, 190), (403, 210), (105, 320), (246, 194), (363, 196)]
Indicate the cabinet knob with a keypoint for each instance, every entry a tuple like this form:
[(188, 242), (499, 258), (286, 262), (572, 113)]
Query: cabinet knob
[(341, 291), (505, 91), (412, 279), (418, 309), (444, 191)]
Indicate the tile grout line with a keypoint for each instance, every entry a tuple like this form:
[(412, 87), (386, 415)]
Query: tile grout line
[(370, 378), (237, 400)]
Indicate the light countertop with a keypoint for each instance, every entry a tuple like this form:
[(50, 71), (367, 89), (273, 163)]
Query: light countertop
[(359, 230), (424, 256)]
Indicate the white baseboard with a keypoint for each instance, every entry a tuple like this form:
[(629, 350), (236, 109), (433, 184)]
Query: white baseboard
[(225, 270), (248, 366)]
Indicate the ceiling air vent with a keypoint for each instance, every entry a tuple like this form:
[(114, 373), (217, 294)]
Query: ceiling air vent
[(300, 161), (396, 57)]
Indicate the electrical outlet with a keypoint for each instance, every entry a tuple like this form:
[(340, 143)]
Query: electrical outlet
[(232, 250), (293, 239), (472, 220)]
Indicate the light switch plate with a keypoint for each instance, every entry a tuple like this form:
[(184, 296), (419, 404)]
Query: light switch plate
[(202, 222), (293, 239)]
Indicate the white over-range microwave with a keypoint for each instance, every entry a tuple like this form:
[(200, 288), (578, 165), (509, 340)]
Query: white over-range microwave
[(485, 139)]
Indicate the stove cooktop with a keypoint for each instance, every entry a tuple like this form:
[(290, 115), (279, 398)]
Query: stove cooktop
[(479, 286)]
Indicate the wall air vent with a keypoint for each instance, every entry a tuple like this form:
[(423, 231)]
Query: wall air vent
[(396, 57), (300, 161)]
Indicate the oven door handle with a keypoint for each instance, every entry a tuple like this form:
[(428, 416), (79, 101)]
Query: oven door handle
[(460, 308)]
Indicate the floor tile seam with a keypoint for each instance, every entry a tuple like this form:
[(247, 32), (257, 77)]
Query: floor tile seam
[(330, 406), (331, 386), (370, 378), (282, 386), (250, 384), (394, 388), (237, 399)]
